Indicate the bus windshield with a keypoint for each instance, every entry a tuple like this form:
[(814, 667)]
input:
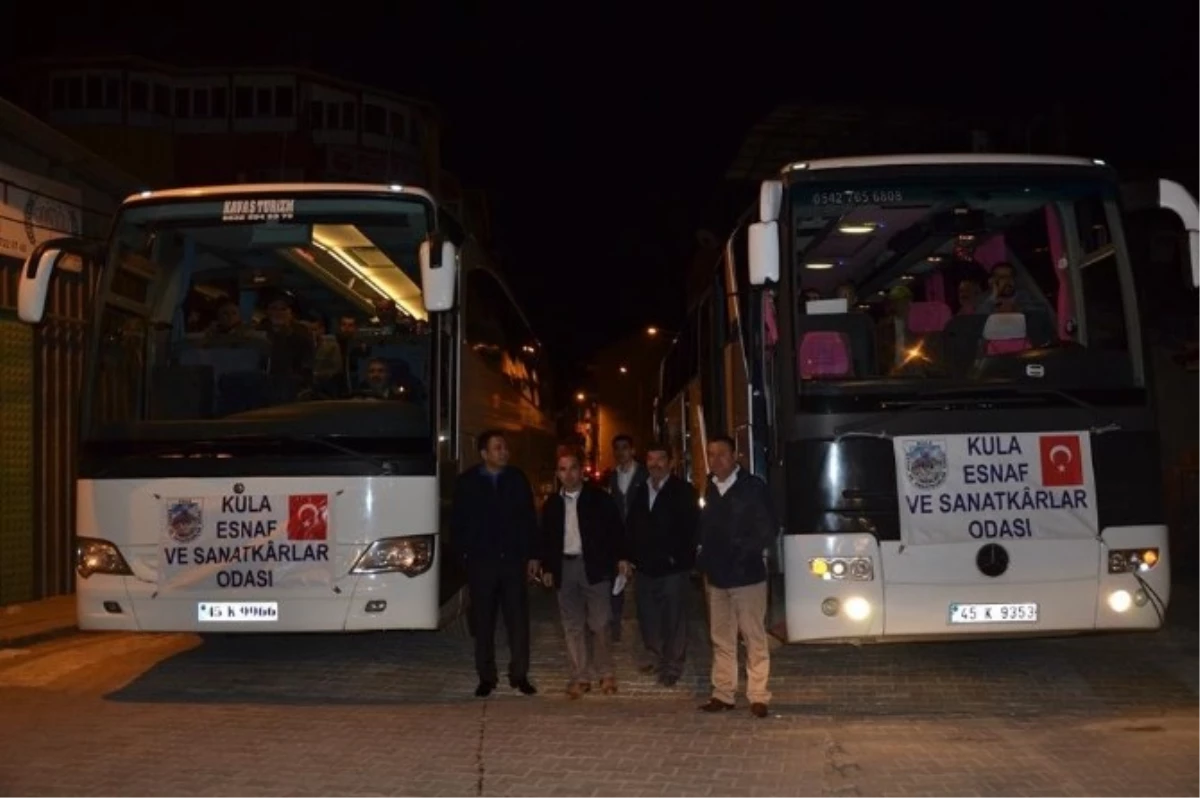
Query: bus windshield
[(245, 315), (910, 281)]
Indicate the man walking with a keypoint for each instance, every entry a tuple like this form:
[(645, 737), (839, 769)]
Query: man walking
[(622, 482), (582, 550), (737, 525), (663, 515), (493, 528)]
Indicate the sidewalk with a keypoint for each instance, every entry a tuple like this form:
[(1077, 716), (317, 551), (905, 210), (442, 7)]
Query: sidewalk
[(24, 624)]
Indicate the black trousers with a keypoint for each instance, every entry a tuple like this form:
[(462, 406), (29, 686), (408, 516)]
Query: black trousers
[(499, 585), (662, 614)]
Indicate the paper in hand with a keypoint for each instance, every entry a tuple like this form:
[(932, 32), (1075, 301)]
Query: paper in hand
[(619, 584)]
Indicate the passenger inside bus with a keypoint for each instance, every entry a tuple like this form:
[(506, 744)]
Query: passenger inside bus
[(916, 330)]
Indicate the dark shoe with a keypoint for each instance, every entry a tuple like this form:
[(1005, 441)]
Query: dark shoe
[(715, 705), (668, 681), (648, 669), (523, 685), (484, 689), (608, 685), (577, 689), (758, 710)]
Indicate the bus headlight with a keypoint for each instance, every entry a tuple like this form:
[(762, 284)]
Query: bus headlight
[(94, 556), (855, 569), (1119, 600), (857, 608), (411, 556), (1123, 561)]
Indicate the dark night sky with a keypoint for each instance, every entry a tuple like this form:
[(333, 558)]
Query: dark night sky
[(601, 140)]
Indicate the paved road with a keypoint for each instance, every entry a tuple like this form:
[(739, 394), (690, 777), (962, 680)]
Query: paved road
[(390, 714)]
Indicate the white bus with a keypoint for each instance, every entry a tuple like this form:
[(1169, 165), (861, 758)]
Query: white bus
[(282, 382), (937, 365)]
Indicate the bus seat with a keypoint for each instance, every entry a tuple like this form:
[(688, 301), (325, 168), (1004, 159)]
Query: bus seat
[(240, 391), (181, 393), (960, 342), (928, 317), (825, 353), (1005, 334), (1040, 328), (858, 330)]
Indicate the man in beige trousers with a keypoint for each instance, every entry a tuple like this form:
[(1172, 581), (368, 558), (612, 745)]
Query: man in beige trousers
[(736, 525)]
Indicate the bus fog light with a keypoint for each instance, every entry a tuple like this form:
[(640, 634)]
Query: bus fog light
[(1120, 600), (858, 608), (830, 607), (411, 556), (1140, 598), (376, 605)]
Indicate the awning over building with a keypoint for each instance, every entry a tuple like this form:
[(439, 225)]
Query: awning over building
[(64, 153)]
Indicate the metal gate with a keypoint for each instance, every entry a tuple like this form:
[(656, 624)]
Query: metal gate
[(41, 372)]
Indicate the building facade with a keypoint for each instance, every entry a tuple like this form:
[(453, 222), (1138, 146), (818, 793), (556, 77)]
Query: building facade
[(50, 187), (172, 126)]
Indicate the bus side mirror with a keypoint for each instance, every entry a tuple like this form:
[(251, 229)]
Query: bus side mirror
[(439, 265), (34, 286), (1169, 195), (763, 240)]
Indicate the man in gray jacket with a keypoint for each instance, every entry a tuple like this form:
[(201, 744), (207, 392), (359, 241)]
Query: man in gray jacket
[(737, 525)]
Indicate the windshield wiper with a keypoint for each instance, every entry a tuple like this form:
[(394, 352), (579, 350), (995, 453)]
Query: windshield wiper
[(984, 395), (385, 467)]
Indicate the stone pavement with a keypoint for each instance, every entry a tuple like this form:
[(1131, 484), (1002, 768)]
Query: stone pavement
[(21, 624), (391, 714)]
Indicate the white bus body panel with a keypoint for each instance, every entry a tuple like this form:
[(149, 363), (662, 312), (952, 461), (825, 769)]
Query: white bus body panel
[(914, 586), (130, 514)]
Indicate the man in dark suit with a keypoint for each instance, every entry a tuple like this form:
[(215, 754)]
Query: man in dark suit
[(621, 483), (662, 526), (582, 549), (493, 528)]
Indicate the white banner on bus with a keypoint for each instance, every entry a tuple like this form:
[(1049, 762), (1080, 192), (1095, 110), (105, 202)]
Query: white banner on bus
[(245, 541), (995, 487), (34, 209)]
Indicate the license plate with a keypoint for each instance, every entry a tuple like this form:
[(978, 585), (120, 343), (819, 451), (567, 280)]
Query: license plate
[(993, 613), (210, 611)]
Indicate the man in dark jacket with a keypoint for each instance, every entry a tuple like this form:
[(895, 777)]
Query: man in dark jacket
[(663, 514), (493, 528), (622, 482), (582, 550), (737, 525)]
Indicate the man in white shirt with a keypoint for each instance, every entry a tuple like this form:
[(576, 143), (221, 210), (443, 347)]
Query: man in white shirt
[(622, 483), (582, 549)]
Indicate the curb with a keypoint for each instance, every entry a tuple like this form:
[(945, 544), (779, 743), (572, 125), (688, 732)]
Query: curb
[(34, 638)]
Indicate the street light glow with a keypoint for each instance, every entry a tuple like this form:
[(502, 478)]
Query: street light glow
[(623, 370), (652, 331), (579, 397)]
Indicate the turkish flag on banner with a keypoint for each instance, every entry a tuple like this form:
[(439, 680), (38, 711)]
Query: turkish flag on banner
[(1062, 461), (308, 517)]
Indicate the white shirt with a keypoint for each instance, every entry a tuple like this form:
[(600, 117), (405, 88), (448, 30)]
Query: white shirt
[(653, 490), (572, 541), (625, 476), (727, 483)]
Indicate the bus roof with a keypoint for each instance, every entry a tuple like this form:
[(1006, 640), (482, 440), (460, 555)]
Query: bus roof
[(979, 158), (287, 189)]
